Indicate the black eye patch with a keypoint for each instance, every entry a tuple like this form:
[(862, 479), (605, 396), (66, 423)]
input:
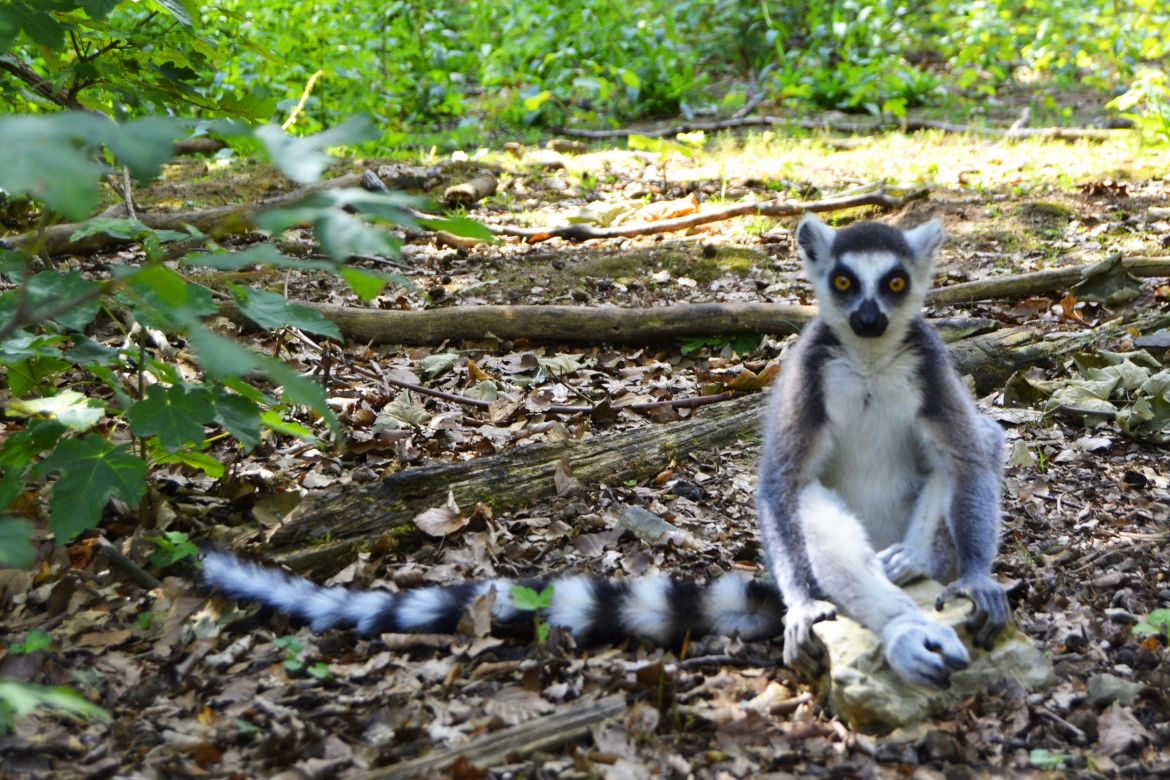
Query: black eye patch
[(843, 282), (895, 283)]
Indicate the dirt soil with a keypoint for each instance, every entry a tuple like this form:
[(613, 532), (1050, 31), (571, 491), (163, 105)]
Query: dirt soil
[(198, 687)]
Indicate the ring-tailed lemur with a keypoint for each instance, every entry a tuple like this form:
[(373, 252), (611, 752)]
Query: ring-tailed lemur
[(872, 444)]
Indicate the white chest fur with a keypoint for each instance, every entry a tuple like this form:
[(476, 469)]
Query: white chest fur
[(876, 463)]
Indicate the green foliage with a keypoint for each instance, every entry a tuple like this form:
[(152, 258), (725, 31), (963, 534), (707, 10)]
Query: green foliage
[(458, 67), (18, 698), (94, 447), (120, 58), (35, 640), (1157, 622), (1046, 759), (742, 343), (1149, 94), (170, 548), (294, 649), (528, 600)]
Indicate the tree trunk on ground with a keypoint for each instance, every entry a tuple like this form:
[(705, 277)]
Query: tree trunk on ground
[(593, 325)]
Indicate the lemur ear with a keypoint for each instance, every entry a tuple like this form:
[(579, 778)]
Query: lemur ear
[(814, 239), (925, 239)]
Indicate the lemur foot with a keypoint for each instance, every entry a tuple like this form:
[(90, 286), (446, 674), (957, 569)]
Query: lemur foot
[(903, 563), (923, 652), (802, 650), (991, 607)]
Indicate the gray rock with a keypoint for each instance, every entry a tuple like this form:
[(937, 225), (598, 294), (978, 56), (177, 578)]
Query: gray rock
[(1107, 688), (865, 693)]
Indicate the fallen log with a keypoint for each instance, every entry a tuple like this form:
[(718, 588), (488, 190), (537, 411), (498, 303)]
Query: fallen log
[(584, 324), (1036, 282)]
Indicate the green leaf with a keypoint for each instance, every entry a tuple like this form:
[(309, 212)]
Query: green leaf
[(1045, 759), (123, 227), (69, 407), (44, 160), (460, 226), (239, 416), (175, 414), (33, 641), (23, 698), (92, 472), (200, 461), (272, 310), (528, 600), (365, 285), (50, 289), (272, 420), (303, 159), (144, 145), (163, 299), (221, 357), (22, 447), (16, 548), (171, 547), (343, 235), (87, 353)]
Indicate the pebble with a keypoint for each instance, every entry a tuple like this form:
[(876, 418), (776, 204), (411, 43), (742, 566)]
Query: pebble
[(1121, 616)]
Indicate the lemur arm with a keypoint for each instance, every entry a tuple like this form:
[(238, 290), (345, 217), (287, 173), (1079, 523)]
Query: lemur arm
[(973, 446), (794, 442)]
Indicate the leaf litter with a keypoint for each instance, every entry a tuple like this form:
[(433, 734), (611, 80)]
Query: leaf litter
[(207, 688)]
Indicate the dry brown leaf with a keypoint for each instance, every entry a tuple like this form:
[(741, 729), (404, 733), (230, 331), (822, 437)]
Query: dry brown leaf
[(475, 374), (1068, 307), (514, 705), (441, 520), (1119, 730), (563, 478), (665, 209)]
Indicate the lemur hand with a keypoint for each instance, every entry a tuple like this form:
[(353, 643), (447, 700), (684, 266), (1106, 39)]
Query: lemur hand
[(902, 563), (991, 606), (802, 651), (923, 652)]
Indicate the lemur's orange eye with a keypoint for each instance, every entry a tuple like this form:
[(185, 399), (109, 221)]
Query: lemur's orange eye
[(897, 284), (842, 282)]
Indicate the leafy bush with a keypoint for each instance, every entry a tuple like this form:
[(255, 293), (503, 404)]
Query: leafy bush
[(138, 410)]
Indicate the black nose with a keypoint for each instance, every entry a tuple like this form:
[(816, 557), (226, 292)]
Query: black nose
[(867, 320)]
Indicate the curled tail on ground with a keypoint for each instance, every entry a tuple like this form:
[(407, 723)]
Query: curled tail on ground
[(662, 609)]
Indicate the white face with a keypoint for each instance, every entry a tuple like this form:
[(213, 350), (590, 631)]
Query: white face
[(871, 284)]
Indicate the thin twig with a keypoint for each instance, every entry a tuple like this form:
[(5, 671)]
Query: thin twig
[(128, 193), (769, 208), (128, 567)]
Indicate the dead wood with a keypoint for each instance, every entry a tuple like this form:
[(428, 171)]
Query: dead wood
[(858, 128), (582, 324), (1048, 280), (572, 722), (218, 221), (470, 192), (777, 207), (330, 526), (199, 146)]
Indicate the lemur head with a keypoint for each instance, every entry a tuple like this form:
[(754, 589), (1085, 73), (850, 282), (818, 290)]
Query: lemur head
[(869, 277)]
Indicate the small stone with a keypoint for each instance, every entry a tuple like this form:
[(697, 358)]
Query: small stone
[(1121, 616), (867, 695), (1110, 579), (1105, 689)]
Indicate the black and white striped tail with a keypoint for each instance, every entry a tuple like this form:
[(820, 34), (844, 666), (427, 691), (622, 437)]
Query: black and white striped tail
[(595, 610)]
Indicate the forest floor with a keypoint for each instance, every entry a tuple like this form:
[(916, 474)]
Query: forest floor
[(198, 688)]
